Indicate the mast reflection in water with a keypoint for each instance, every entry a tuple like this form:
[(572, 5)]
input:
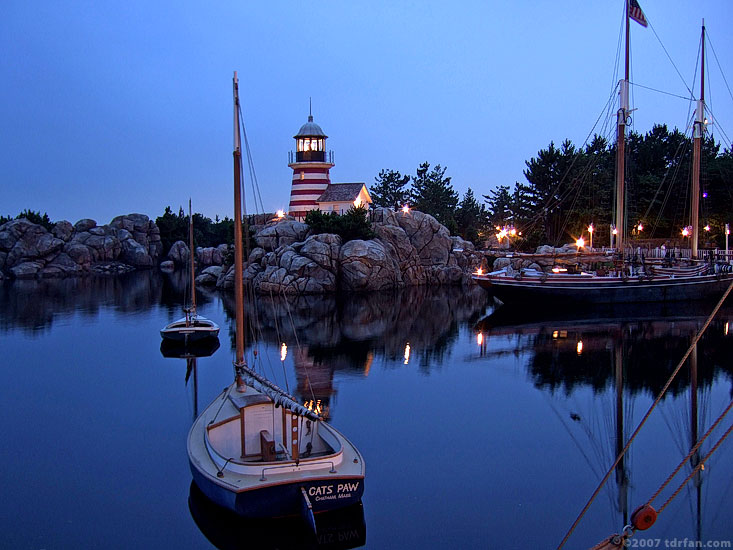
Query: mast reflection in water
[(622, 353)]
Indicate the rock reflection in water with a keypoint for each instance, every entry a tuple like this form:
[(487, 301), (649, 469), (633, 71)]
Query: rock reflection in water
[(34, 304), (347, 332)]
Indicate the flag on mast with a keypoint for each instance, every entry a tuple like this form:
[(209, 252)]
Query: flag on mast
[(636, 14)]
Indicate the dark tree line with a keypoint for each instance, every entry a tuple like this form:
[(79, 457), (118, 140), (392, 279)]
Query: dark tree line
[(566, 188)]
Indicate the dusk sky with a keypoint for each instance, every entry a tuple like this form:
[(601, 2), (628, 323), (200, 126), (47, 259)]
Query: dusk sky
[(113, 108)]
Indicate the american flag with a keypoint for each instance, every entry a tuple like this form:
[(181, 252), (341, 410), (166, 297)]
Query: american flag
[(636, 14)]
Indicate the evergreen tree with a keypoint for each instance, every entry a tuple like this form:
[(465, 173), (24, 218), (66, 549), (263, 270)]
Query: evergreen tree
[(500, 203), (471, 218), (432, 193), (389, 190)]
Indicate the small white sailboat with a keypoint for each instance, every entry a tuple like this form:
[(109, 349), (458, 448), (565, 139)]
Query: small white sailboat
[(192, 327), (255, 450)]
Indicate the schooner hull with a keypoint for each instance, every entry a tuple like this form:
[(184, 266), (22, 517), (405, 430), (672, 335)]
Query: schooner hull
[(603, 290)]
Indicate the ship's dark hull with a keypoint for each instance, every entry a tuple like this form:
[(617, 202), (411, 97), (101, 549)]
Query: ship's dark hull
[(567, 290)]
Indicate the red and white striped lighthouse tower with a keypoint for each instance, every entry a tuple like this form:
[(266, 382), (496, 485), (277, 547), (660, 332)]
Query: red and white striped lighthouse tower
[(310, 166)]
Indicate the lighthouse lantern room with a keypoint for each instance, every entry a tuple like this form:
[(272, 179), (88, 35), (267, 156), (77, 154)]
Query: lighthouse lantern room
[(311, 167)]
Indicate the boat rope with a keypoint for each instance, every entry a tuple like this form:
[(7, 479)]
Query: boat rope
[(689, 455), (686, 98), (669, 57), (646, 416)]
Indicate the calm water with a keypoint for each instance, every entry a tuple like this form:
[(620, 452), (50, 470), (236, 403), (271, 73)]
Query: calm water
[(495, 442)]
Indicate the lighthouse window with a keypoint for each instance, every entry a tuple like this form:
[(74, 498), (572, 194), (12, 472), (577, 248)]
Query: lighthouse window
[(300, 145), (320, 145)]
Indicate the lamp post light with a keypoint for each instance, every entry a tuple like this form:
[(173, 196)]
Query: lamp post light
[(590, 232)]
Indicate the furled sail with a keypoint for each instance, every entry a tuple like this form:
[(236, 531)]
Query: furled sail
[(276, 393)]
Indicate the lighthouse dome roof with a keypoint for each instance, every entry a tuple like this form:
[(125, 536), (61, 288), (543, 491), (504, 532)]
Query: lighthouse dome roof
[(310, 129)]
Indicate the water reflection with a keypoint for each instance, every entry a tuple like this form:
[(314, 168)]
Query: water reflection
[(621, 354), (190, 352), (338, 529), (347, 333), (34, 305), (652, 340)]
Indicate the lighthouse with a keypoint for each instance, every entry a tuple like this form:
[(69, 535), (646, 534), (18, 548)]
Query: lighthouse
[(310, 166)]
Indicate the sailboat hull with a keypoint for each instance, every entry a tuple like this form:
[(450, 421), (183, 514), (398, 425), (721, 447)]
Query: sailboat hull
[(588, 289), (198, 329), (254, 488), (285, 499)]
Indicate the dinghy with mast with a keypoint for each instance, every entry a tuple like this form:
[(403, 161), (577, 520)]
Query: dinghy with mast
[(255, 450), (625, 283), (192, 327)]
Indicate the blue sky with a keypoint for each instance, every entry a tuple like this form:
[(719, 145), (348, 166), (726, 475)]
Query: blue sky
[(111, 108)]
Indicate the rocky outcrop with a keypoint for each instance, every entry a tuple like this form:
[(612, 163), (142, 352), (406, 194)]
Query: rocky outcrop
[(409, 249), (280, 232), (28, 250), (179, 253), (369, 265)]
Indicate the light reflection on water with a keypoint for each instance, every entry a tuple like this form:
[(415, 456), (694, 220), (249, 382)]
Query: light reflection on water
[(468, 443)]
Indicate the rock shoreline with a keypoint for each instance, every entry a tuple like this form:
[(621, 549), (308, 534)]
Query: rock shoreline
[(29, 250), (410, 249)]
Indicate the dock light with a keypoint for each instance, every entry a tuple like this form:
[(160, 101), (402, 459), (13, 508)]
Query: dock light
[(705, 195), (579, 347), (559, 269), (727, 229), (280, 214), (407, 353), (640, 227), (726, 328), (615, 231), (687, 231), (706, 228), (513, 232), (580, 243), (590, 229), (480, 338), (405, 209), (283, 351), (479, 271)]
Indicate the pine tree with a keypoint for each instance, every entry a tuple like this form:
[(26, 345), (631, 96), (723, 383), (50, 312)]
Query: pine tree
[(471, 218), (432, 193), (389, 190)]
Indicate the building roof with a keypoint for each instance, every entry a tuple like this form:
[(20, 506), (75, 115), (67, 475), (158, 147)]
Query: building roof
[(341, 192), (310, 129)]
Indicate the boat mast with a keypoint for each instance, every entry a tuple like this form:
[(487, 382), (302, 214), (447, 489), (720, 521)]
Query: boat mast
[(238, 276), (620, 143), (699, 128), (191, 252)]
